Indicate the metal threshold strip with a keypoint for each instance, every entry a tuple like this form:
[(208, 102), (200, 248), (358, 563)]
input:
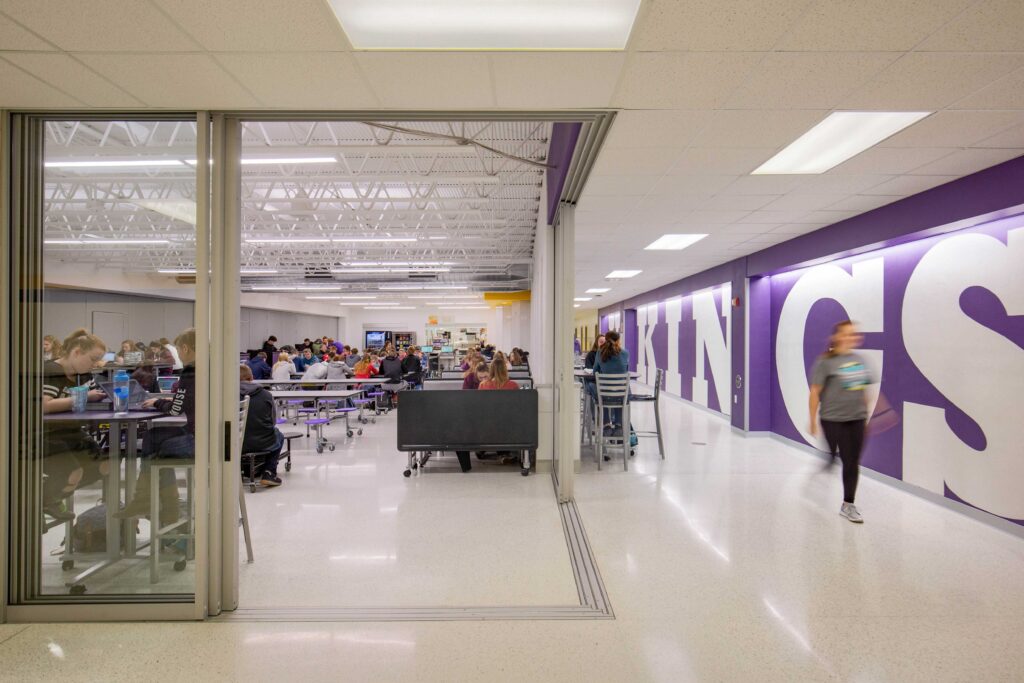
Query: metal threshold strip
[(593, 599)]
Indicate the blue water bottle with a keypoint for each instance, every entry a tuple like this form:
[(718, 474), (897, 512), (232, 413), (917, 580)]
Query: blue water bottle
[(121, 382)]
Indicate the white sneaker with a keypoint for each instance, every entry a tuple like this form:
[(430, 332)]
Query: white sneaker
[(849, 510)]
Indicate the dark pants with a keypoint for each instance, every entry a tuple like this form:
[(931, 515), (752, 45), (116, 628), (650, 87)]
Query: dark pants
[(62, 460), (167, 442), (846, 439)]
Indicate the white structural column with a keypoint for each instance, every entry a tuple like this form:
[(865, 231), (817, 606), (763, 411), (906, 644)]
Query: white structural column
[(541, 341), (567, 402)]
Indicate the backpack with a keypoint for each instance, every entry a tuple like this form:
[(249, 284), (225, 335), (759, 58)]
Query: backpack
[(90, 531)]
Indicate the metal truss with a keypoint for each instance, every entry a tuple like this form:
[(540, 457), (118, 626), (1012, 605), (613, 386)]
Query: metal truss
[(472, 206)]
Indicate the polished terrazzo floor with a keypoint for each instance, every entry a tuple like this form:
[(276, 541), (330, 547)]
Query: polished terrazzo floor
[(725, 562)]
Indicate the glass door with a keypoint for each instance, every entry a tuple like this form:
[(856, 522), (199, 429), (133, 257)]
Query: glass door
[(108, 407)]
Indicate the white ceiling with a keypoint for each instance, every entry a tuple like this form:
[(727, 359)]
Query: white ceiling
[(708, 90)]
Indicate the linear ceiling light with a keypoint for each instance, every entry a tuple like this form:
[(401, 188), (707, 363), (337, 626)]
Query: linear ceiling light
[(258, 271), (674, 242), (575, 305), (374, 239), (287, 240), (443, 296), (265, 161), (598, 290), (177, 271), (462, 308), (103, 242), (583, 298), (287, 288), (490, 25), (840, 136), (419, 287), (325, 297), (389, 308), (114, 163), (622, 274), (359, 297)]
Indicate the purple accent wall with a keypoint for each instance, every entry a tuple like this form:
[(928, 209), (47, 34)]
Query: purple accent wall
[(629, 325), (560, 151), (901, 233)]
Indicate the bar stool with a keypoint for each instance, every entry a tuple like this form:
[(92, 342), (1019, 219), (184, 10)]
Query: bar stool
[(612, 394), (659, 379)]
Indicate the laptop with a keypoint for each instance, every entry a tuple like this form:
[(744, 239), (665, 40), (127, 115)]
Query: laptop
[(136, 394), (167, 382), (133, 357)]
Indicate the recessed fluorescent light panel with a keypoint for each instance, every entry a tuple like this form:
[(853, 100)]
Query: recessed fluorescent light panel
[(840, 136), (674, 242), (583, 298), (622, 274), (598, 290), (487, 24)]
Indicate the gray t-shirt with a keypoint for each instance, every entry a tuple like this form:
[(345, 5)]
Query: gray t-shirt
[(843, 380)]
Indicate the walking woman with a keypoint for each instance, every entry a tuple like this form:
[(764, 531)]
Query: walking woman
[(839, 385)]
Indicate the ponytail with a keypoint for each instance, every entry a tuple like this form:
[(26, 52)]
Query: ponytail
[(611, 345), (83, 341), (830, 352)]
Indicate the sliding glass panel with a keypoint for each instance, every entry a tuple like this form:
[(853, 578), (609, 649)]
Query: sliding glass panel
[(103, 462)]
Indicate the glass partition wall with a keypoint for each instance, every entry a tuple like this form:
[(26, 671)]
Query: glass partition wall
[(107, 432)]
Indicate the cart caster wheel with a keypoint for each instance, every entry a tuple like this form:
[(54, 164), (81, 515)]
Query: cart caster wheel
[(78, 589), (374, 420), (319, 449), (179, 566), (67, 565), (359, 432), (252, 488), (407, 473), (331, 448), (349, 434), (288, 467), (525, 472)]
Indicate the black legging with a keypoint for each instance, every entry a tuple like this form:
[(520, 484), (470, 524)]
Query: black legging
[(846, 438)]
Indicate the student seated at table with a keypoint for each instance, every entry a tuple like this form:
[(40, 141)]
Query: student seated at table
[(70, 455), (305, 360), (588, 363), (175, 355), (127, 346), (337, 369), (270, 346), (353, 358), (261, 432), (364, 369), (613, 359), (283, 369), (51, 347), (146, 376), (497, 377), (315, 371), (259, 366), (391, 369), (412, 370), (471, 378), (170, 442)]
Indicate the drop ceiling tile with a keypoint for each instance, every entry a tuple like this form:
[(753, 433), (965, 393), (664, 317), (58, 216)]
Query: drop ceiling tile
[(955, 128), (555, 80), (907, 185), (737, 202), (807, 80), (1011, 138), (644, 161), (991, 26), (22, 90), (329, 80), (691, 184), (1005, 93), (927, 81), (174, 81), (796, 201), (608, 204), (842, 183), (754, 128), (656, 127), (680, 203), (304, 25), (967, 161), (763, 184), (892, 160), (774, 217), (428, 80), (619, 185), (15, 37), (827, 216), (713, 25), (723, 161), (868, 24), (682, 80), (102, 25), (746, 230), (701, 218), (861, 203), (645, 214), (73, 78)]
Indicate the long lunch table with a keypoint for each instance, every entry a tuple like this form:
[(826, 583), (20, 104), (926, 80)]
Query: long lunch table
[(130, 422), (319, 382)]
